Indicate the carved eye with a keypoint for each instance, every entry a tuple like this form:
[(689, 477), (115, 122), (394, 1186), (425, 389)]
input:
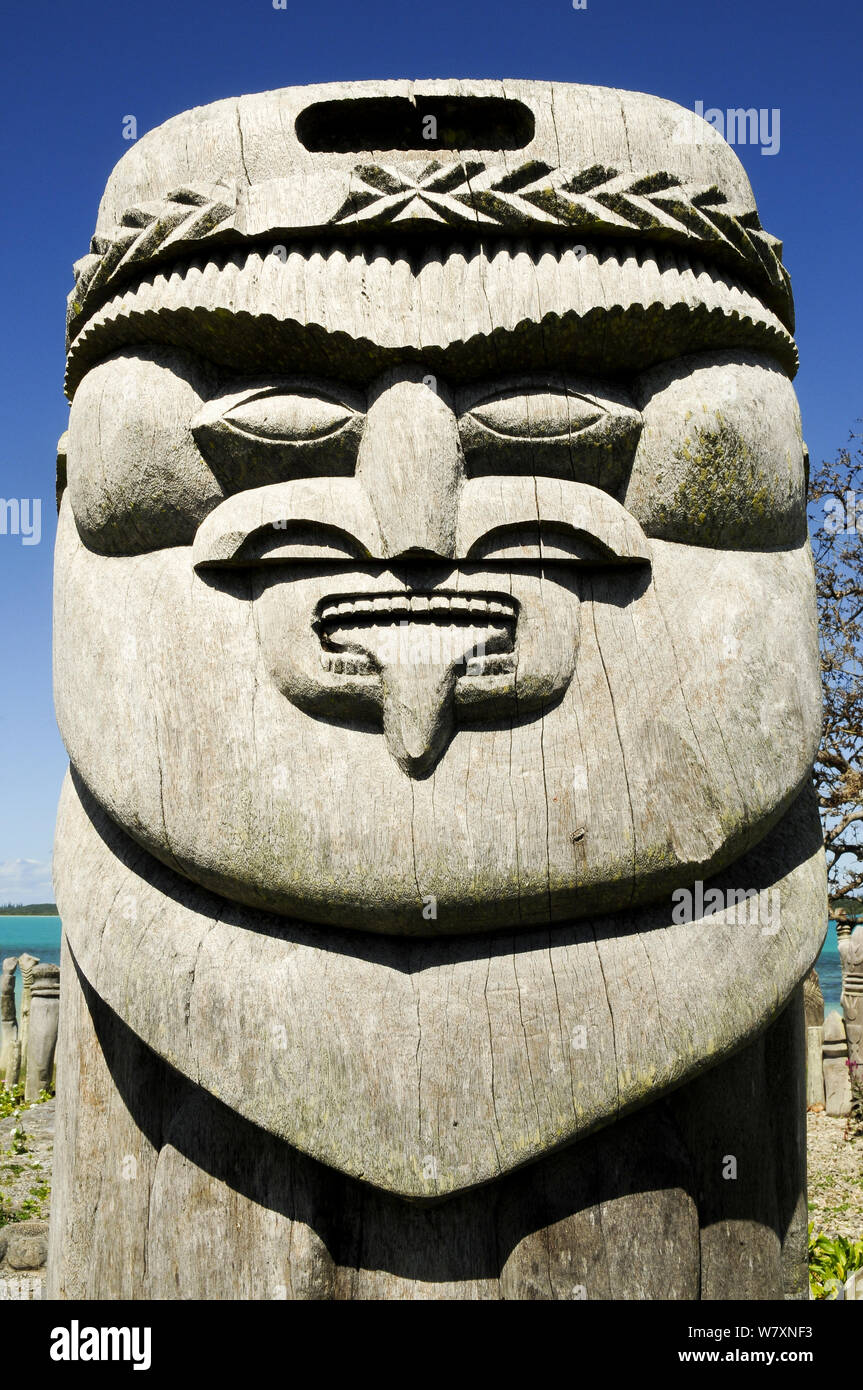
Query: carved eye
[(271, 432), (283, 417), (562, 430), (538, 414)]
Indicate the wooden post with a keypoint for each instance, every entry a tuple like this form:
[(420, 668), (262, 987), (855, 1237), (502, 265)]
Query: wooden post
[(155, 1179), (10, 1048), (813, 1001), (852, 992), (42, 1039), (837, 1085), (26, 964), (436, 648)]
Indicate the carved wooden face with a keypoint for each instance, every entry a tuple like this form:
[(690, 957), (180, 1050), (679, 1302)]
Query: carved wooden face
[(486, 624)]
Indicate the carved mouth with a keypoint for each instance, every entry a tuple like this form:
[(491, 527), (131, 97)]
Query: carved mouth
[(418, 660), (474, 633)]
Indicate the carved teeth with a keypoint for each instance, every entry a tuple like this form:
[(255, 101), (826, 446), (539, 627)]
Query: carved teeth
[(402, 605), (346, 666)]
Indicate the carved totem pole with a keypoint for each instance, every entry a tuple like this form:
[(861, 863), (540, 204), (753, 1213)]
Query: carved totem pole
[(42, 1041), (434, 616), (10, 1046)]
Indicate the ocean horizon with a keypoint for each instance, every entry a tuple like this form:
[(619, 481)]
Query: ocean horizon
[(41, 937)]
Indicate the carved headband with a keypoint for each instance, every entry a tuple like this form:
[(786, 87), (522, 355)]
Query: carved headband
[(640, 226), (531, 201)]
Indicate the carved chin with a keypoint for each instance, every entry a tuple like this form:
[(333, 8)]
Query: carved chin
[(336, 1043)]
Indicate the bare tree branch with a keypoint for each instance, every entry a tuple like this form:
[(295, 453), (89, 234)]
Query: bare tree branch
[(836, 522)]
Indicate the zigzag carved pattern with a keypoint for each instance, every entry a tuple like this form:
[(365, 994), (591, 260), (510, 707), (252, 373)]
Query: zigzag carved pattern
[(533, 198), (186, 216), (595, 200)]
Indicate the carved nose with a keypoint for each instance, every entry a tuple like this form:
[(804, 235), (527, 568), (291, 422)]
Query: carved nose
[(411, 466)]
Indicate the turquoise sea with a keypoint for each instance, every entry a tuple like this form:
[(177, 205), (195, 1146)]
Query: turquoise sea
[(38, 935), (41, 937), (830, 971)]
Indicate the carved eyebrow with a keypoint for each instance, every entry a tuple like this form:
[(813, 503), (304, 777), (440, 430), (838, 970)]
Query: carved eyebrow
[(336, 505), (512, 501), (340, 510), (293, 348)]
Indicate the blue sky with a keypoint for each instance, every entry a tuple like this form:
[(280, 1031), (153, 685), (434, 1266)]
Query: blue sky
[(71, 73)]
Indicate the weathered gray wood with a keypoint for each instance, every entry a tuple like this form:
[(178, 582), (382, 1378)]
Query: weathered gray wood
[(813, 999), (26, 964), (10, 1047), (42, 1039), (219, 821), (385, 1056), (168, 1181), (436, 655), (815, 1064), (837, 1083)]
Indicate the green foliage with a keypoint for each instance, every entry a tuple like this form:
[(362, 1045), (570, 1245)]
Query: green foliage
[(13, 1101), (29, 910), (31, 1209), (19, 1140), (831, 1261)]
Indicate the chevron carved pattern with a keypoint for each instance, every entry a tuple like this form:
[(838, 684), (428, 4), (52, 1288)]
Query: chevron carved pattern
[(529, 200)]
